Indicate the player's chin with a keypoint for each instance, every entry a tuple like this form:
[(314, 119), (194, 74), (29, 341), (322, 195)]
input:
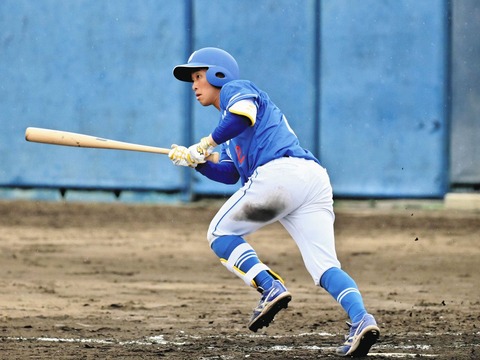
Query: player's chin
[(203, 102)]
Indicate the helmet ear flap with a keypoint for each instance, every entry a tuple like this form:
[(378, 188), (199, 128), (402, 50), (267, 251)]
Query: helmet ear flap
[(218, 76)]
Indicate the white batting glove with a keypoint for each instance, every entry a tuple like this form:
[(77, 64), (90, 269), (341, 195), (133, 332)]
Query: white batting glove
[(180, 156), (200, 151)]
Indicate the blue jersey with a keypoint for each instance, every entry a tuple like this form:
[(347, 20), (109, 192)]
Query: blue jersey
[(269, 137)]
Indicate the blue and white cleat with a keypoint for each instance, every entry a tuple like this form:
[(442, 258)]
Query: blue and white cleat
[(273, 300), (362, 336)]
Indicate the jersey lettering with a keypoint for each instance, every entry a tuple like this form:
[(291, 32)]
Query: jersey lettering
[(240, 156)]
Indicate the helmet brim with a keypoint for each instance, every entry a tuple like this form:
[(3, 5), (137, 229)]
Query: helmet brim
[(184, 72)]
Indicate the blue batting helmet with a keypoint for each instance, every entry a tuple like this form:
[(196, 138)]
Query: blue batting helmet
[(221, 66)]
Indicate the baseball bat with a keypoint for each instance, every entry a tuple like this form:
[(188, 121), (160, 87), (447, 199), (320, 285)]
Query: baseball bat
[(65, 138)]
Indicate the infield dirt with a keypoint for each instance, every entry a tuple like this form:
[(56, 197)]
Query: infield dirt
[(128, 281)]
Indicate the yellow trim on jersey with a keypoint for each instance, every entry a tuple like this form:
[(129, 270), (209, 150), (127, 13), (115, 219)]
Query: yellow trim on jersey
[(245, 108)]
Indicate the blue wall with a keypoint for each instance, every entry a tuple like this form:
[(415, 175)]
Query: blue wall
[(465, 112), (364, 85), (384, 95), (94, 67)]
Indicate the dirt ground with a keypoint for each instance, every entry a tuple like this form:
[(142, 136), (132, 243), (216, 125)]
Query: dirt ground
[(129, 281)]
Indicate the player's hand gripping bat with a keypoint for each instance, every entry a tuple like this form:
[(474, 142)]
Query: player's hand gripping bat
[(57, 137)]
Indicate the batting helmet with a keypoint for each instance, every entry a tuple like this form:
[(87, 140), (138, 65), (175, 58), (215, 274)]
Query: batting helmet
[(221, 66)]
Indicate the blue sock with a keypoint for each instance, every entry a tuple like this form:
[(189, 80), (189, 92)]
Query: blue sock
[(264, 280), (344, 290), (246, 259)]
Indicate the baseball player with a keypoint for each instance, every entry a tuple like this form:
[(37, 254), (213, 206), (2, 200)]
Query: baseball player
[(281, 181)]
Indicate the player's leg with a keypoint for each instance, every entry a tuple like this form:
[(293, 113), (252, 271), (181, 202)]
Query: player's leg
[(241, 259), (246, 211), (364, 331), (312, 227), (313, 233), (250, 208)]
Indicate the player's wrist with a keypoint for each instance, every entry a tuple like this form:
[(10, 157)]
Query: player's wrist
[(207, 144), (200, 151)]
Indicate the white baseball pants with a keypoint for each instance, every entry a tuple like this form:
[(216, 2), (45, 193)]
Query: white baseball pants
[(297, 193)]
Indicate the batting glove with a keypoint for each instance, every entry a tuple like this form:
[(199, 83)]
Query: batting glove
[(180, 156), (200, 151)]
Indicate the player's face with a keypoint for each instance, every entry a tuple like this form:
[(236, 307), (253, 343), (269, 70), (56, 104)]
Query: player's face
[(205, 93)]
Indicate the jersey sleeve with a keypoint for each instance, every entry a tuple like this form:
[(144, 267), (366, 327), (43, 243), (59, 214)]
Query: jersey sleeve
[(240, 98), (224, 171), (245, 108), (230, 126)]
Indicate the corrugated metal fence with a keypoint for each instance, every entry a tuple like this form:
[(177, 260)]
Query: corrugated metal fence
[(364, 84)]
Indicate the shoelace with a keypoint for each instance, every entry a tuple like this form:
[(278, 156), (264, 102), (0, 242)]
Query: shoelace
[(261, 304)]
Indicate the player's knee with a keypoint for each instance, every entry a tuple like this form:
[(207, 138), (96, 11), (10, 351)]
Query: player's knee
[(223, 246), (211, 238)]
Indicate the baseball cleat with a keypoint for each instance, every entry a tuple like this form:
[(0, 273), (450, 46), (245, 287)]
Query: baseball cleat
[(362, 336), (273, 300)]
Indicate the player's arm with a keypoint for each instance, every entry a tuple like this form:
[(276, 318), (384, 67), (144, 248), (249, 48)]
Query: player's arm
[(237, 119), (231, 126), (224, 171)]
